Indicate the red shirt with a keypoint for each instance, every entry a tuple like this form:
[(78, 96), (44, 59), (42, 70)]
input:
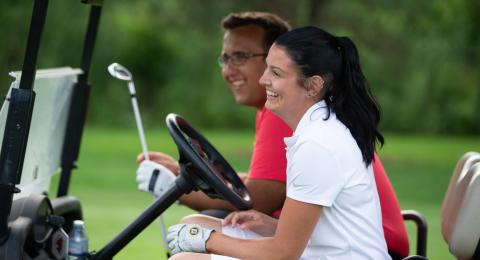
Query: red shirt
[(268, 158), (269, 163), (393, 225)]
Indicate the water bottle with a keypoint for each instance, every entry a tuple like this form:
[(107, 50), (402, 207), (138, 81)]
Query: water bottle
[(78, 242)]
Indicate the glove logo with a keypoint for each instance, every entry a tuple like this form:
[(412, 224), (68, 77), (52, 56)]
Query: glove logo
[(194, 231)]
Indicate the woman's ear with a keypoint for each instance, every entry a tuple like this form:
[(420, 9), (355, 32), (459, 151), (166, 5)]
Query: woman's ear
[(315, 85)]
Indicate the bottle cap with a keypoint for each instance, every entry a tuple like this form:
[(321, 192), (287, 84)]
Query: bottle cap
[(78, 222)]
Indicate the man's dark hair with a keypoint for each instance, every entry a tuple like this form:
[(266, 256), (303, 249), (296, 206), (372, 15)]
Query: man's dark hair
[(272, 24)]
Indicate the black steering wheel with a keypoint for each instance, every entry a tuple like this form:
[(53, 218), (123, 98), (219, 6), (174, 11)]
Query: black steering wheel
[(203, 165)]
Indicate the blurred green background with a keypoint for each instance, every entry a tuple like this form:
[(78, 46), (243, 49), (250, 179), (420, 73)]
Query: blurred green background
[(422, 60), (421, 57)]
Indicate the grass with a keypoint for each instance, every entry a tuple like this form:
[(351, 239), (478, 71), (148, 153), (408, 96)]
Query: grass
[(418, 166)]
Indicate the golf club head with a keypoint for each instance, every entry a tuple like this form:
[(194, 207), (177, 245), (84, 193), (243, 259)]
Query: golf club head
[(119, 72)]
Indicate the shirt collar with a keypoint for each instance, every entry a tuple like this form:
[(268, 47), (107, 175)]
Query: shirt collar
[(317, 111)]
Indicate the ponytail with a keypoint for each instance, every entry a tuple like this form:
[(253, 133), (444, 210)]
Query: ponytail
[(353, 102), (335, 59)]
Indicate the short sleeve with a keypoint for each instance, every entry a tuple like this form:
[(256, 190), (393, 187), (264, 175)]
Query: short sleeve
[(268, 158), (314, 175)]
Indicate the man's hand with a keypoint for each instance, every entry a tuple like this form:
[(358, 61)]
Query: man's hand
[(188, 238), (163, 159), (153, 177), (252, 220)]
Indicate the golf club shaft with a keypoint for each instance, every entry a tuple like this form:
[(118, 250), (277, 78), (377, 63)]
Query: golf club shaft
[(163, 231), (136, 112)]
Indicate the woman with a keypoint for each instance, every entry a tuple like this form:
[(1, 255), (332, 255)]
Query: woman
[(315, 84)]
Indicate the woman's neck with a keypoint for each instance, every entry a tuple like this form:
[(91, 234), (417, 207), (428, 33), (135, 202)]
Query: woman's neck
[(294, 119)]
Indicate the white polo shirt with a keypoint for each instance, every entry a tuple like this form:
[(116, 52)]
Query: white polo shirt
[(326, 167)]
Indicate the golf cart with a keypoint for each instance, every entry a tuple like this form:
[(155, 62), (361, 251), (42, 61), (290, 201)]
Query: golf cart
[(43, 118)]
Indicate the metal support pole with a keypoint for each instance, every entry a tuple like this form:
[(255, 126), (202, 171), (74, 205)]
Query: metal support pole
[(18, 119), (78, 106)]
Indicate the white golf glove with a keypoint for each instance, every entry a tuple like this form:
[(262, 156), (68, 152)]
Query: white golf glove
[(153, 177), (188, 238)]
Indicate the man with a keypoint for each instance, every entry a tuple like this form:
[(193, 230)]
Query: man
[(247, 39)]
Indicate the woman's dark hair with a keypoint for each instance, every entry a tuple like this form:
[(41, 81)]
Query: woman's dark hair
[(346, 93)]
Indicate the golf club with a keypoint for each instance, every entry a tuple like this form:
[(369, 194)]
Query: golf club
[(120, 72)]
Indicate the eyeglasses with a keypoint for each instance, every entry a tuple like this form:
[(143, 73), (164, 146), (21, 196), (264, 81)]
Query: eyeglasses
[(237, 58)]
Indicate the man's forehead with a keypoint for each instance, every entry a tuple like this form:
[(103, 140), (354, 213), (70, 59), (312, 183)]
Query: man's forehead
[(244, 38)]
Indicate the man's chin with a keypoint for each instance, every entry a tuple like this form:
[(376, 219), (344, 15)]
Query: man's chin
[(249, 102), (240, 100)]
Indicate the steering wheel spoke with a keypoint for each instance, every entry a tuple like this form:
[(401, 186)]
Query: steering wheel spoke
[(204, 166)]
